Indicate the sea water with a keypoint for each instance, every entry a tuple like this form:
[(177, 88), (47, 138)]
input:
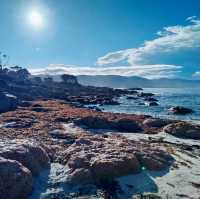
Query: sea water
[(167, 97)]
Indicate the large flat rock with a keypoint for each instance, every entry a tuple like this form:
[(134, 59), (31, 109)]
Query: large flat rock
[(102, 157)]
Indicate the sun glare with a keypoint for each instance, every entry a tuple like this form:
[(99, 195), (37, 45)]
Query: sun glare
[(35, 19)]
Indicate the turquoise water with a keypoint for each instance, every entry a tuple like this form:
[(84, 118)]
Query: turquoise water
[(168, 97)]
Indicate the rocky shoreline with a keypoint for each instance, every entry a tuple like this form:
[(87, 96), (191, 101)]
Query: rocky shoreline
[(90, 154), (52, 146)]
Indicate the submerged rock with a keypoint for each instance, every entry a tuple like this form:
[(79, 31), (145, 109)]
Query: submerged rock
[(29, 154), (183, 130), (152, 103), (110, 102), (131, 98), (142, 94), (15, 180), (180, 110), (150, 99)]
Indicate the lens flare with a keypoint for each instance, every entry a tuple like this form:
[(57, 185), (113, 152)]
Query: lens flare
[(35, 19)]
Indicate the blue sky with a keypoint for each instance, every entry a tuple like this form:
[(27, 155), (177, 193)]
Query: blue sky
[(104, 36)]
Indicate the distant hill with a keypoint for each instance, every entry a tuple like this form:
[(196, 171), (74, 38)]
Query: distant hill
[(115, 81)]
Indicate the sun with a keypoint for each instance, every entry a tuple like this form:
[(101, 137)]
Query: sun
[(35, 19)]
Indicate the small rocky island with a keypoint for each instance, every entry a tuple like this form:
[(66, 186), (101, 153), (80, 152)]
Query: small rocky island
[(53, 146)]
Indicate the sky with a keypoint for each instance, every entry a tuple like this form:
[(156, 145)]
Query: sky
[(147, 38)]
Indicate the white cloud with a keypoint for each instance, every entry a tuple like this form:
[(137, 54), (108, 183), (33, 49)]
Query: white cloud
[(148, 71), (171, 39), (191, 18), (137, 61), (196, 74)]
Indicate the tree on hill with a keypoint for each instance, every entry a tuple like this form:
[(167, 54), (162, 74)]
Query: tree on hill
[(18, 73), (22, 73), (3, 60)]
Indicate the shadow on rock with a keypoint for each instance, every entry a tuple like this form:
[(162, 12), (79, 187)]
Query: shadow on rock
[(40, 184)]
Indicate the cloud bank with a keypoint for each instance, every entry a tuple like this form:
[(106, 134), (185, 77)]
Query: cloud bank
[(147, 71), (169, 40)]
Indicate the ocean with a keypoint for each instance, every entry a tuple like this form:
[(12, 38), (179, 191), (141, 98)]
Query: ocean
[(168, 97)]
